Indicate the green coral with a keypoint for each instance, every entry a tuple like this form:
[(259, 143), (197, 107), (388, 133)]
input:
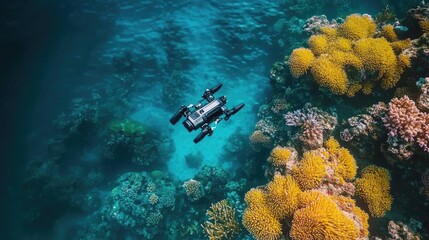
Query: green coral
[(128, 127)]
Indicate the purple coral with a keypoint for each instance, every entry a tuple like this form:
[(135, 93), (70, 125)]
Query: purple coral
[(314, 123)]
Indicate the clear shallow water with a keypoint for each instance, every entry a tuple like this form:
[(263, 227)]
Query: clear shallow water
[(66, 52)]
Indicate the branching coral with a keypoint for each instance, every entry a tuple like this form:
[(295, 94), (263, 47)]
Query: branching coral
[(424, 26), (374, 188), (222, 223), (322, 219), (406, 121), (315, 124)]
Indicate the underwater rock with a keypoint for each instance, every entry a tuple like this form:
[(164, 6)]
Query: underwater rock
[(312, 25), (414, 19), (423, 99), (400, 231), (194, 160)]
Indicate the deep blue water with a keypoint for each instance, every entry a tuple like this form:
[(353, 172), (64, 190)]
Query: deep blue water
[(137, 60)]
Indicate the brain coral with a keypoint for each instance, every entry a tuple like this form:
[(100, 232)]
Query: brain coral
[(322, 219), (373, 187)]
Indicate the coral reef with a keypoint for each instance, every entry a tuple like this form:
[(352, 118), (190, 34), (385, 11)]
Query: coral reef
[(314, 199), (350, 56), (258, 219), (406, 122), (320, 218), (132, 206), (222, 222), (399, 230), (374, 188), (128, 139)]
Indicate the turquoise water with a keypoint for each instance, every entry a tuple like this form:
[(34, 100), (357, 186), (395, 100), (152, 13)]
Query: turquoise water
[(88, 91)]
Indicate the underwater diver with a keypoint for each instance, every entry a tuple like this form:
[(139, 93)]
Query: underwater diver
[(202, 115)]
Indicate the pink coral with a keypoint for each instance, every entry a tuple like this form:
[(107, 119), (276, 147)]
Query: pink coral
[(403, 119), (312, 136), (423, 136)]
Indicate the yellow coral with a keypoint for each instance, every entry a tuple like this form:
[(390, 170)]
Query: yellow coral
[(282, 196), (378, 57), (373, 187), (330, 75), (424, 26), (258, 219), (254, 197), (309, 197), (260, 222), (318, 44), (404, 61), (332, 145), (357, 27), (400, 45), (279, 156), (376, 54), (388, 32), (222, 223), (310, 172), (341, 44), (346, 167), (322, 219), (329, 32), (345, 59), (361, 217), (300, 61)]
